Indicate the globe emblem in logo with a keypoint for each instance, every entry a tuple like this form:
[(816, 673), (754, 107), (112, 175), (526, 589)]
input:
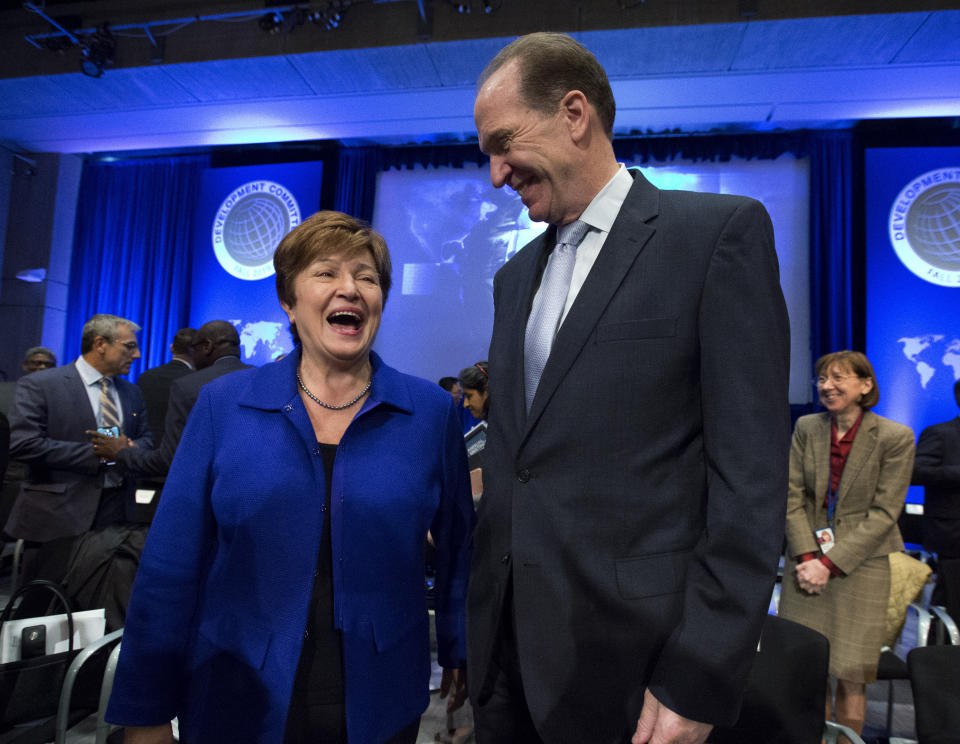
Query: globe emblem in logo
[(250, 223), (933, 227), (253, 229), (924, 226)]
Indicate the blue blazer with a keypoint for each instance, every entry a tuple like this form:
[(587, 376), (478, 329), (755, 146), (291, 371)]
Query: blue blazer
[(220, 603), (51, 413)]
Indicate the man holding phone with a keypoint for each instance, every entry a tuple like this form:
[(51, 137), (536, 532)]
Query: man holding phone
[(69, 489)]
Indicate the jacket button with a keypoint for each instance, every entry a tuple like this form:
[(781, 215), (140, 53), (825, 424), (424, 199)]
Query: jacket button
[(523, 476), (505, 558), (323, 507)]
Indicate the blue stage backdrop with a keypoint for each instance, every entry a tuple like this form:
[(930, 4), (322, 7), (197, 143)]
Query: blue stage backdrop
[(449, 231), (243, 215), (913, 282)]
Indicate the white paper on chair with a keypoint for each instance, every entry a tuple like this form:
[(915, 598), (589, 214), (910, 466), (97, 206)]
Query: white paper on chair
[(88, 626)]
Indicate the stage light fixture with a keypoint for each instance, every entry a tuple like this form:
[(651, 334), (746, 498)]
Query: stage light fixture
[(330, 17), (271, 23), (96, 51)]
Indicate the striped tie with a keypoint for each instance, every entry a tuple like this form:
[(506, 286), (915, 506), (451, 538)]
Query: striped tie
[(109, 416)]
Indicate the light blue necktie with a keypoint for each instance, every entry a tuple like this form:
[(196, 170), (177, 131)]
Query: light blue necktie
[(548, 305)]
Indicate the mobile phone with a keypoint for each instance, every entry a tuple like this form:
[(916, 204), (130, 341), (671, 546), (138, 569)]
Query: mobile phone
[(33, 641)]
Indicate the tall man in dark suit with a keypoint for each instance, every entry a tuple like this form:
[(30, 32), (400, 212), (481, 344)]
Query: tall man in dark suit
[(216, 352), (155, 383), (937, 469), (634, 491), (69, 489)]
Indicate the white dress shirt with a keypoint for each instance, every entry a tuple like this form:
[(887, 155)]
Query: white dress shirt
[(600, 214)]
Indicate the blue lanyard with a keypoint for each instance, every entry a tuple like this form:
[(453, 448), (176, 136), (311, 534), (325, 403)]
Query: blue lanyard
[(831, 506)]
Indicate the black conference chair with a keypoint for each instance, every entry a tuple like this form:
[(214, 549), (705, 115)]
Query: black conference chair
[(935, 680), (892, 667), (786, 691)]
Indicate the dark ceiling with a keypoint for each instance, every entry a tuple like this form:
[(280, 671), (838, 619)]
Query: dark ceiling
[(391, 74)]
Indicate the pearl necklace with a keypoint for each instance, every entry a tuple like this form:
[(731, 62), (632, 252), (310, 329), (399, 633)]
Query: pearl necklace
[(315, 399)]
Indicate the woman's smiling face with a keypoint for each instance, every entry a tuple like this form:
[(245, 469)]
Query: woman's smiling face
[(338, 307)]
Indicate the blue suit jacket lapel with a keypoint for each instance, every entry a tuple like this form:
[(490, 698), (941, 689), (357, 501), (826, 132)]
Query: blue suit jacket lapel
[(130, 413), (80, 400), (629, 235)]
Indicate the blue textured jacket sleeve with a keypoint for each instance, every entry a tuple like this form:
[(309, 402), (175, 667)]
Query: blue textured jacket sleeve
[(452, 532), (166, 593)]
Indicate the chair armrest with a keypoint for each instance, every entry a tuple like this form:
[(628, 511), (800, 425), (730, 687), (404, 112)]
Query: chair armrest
[(946, 622), (831, 730), (923, 623), (106, 687), (66, 692)]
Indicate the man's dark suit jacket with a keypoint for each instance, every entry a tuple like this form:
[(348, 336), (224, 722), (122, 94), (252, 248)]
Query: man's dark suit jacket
[(183, 394), (50, 413), (155, 384), (4, 443), (639, 508), (937, 468)]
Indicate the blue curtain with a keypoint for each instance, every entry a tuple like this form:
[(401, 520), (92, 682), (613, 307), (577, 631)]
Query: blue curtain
[(357, 181), (131, 249), (834, 298)]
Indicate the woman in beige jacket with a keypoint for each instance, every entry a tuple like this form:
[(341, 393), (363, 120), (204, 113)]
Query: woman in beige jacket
[(849, 473)]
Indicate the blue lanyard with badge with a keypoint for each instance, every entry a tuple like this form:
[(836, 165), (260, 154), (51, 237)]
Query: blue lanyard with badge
[(825, 537)]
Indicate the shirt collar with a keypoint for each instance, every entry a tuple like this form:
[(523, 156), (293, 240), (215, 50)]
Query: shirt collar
[(602, 212), (88, 373)]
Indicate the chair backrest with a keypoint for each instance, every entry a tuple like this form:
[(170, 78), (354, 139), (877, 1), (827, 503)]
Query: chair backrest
[(935, 679), (786, 691)]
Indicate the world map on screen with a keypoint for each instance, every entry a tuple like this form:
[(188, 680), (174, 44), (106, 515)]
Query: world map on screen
[(931, 355), (263, 341)]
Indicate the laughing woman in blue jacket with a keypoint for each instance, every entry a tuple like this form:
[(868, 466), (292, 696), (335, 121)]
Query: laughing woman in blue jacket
[(280, 597)]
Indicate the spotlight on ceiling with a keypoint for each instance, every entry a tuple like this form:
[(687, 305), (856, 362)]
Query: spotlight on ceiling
[(271, 23), (96, 51), (330, 17)]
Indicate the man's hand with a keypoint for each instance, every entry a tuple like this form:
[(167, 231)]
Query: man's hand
[(660, 725), (455, 679), (106, 446), (812, 576)]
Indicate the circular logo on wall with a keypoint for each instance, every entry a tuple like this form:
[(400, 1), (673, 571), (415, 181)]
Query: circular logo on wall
[(925, 226), (249, 224)]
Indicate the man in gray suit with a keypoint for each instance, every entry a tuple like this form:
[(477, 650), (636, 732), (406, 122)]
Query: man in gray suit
[(636, 459), (69, 489), (216, 352)]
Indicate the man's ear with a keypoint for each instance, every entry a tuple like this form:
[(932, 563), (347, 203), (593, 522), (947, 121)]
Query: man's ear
[(576, 113)]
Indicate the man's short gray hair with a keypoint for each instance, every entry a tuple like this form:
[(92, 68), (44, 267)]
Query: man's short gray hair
[(103, 325)]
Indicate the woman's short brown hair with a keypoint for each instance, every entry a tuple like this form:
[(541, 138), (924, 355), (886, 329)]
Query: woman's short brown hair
[(325, 234), (856, 362)]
